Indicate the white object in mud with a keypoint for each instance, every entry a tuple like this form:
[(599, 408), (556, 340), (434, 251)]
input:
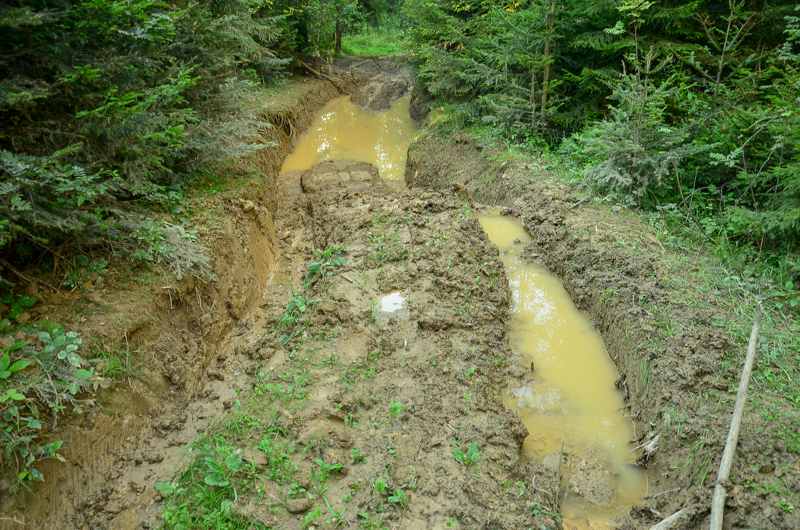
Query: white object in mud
[(392, 302)]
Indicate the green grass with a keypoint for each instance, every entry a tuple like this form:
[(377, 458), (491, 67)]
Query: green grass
[(202, 495), (375, 41)]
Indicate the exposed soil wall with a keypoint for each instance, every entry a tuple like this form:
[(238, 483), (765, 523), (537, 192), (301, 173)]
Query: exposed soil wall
[(175, 329), (436, 162), (670, 356)]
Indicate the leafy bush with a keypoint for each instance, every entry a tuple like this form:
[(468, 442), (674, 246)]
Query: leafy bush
[(37, 383)]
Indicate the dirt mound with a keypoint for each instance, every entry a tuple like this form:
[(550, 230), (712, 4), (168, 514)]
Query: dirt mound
[(381, 90), (372, 83), (403, 386)]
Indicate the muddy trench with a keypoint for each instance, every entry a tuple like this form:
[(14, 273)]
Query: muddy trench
[(421, 315), (114, 455)]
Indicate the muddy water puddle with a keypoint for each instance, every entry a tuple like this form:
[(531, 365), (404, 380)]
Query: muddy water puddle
[(345, 131), (572, 398)]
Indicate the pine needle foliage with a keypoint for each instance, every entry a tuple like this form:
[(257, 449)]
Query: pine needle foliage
[(107, 107), (710, 127)]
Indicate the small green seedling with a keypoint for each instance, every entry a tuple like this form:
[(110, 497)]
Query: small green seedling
[(16, 307), (395, 408), (320, 481), (313, 516), (399, 498), (7, 368), (468, 373), (380, 485), (324, 264), (356, 456), (468, 458), (521, 486)]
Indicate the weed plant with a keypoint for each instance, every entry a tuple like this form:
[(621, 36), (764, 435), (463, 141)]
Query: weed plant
[(40, 381)]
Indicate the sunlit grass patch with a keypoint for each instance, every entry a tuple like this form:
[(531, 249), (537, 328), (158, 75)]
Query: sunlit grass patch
[(375, 41)]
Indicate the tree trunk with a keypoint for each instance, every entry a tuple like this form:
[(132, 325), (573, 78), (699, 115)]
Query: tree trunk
[(533, 89), (337, 37), (546, 75)]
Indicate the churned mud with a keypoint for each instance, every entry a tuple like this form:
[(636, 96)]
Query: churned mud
[(398, 366), (393, 372), (415, 318), (173, 332), (571, 406), (678, 368)]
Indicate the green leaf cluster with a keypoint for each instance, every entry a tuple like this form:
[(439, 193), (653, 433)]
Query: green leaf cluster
[(37, 384), (470, 457)]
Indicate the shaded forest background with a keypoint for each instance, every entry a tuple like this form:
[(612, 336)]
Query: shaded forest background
[(111, 109), (688, 109)]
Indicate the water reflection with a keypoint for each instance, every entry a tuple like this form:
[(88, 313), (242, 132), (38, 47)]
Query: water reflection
[(345, 131), (572, 398)]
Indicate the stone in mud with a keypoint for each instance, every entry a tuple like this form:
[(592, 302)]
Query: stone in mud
[(252, 456), (255, 513), (318, 430), (298, 505), (552, 460), (591, 479)]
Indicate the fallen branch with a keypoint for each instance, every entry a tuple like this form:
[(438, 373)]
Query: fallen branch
[(27, 279), (718, 504), (324, 76)]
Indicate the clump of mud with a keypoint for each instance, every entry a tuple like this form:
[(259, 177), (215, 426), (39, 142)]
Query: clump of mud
[(373, 83)]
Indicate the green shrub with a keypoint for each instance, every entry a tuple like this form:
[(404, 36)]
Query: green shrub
[(37, 384)]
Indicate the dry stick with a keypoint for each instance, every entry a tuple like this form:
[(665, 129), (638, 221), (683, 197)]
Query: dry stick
[(320, 74), (718, 504), (558, 477), (25, 278), (672, 520), (569, 478)]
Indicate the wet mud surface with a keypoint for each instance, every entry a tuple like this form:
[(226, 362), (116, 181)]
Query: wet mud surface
[(443, 355), (403, 388), (571, 407), (678, 369), (345, 131), (391, 392)]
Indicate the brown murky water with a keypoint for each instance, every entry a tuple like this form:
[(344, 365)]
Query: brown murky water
[(345, 131), (572, 399)]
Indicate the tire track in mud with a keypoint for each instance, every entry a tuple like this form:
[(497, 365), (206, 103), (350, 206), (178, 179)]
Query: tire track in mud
[(617, 271), (444, 357)]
